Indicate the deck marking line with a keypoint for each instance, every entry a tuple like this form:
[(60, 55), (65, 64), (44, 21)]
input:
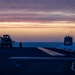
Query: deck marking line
[(40, 58), (72, 67), (50, 52)]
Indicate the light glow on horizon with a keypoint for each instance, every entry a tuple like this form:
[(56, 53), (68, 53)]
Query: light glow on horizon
[(37, 20), (37, 34), (55, 24)]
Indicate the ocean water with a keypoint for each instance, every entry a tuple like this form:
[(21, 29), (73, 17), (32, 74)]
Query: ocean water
[(59, 45), (38, 44)]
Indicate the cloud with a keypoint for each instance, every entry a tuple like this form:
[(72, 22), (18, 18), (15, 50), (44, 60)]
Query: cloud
[(38, 4), (61, 24), (23, 15), (37, 10)]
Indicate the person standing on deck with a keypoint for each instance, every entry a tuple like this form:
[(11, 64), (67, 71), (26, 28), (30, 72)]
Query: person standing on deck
[(20, 45)]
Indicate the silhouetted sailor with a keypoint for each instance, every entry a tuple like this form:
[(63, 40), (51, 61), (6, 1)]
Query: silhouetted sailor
[(20, 45)]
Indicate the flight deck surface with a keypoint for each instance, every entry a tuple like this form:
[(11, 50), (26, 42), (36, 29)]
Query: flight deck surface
[(36, 61)]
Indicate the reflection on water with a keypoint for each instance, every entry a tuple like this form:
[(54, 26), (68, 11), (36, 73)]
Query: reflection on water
[(37, 34)]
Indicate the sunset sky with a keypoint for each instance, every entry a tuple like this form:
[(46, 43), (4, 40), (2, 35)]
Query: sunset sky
[(39, 20)]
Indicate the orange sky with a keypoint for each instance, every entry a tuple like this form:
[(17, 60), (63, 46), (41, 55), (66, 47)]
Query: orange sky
[(37, 32), (37, 20)]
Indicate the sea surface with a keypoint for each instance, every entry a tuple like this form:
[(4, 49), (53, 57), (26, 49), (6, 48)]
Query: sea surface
[(59, 45), (39, 44)]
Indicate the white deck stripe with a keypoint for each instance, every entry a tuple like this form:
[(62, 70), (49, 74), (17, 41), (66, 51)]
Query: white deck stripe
[(50, 52), (41, 58), (72, 67)]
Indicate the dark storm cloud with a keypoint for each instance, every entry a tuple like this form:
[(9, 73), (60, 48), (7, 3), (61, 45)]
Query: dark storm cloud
[(42, 10)]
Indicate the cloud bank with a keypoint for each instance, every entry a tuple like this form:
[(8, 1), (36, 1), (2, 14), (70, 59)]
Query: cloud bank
[(37, 10)]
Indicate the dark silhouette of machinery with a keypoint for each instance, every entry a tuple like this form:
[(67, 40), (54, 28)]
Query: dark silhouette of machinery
[(68, 41), (6, 40)]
